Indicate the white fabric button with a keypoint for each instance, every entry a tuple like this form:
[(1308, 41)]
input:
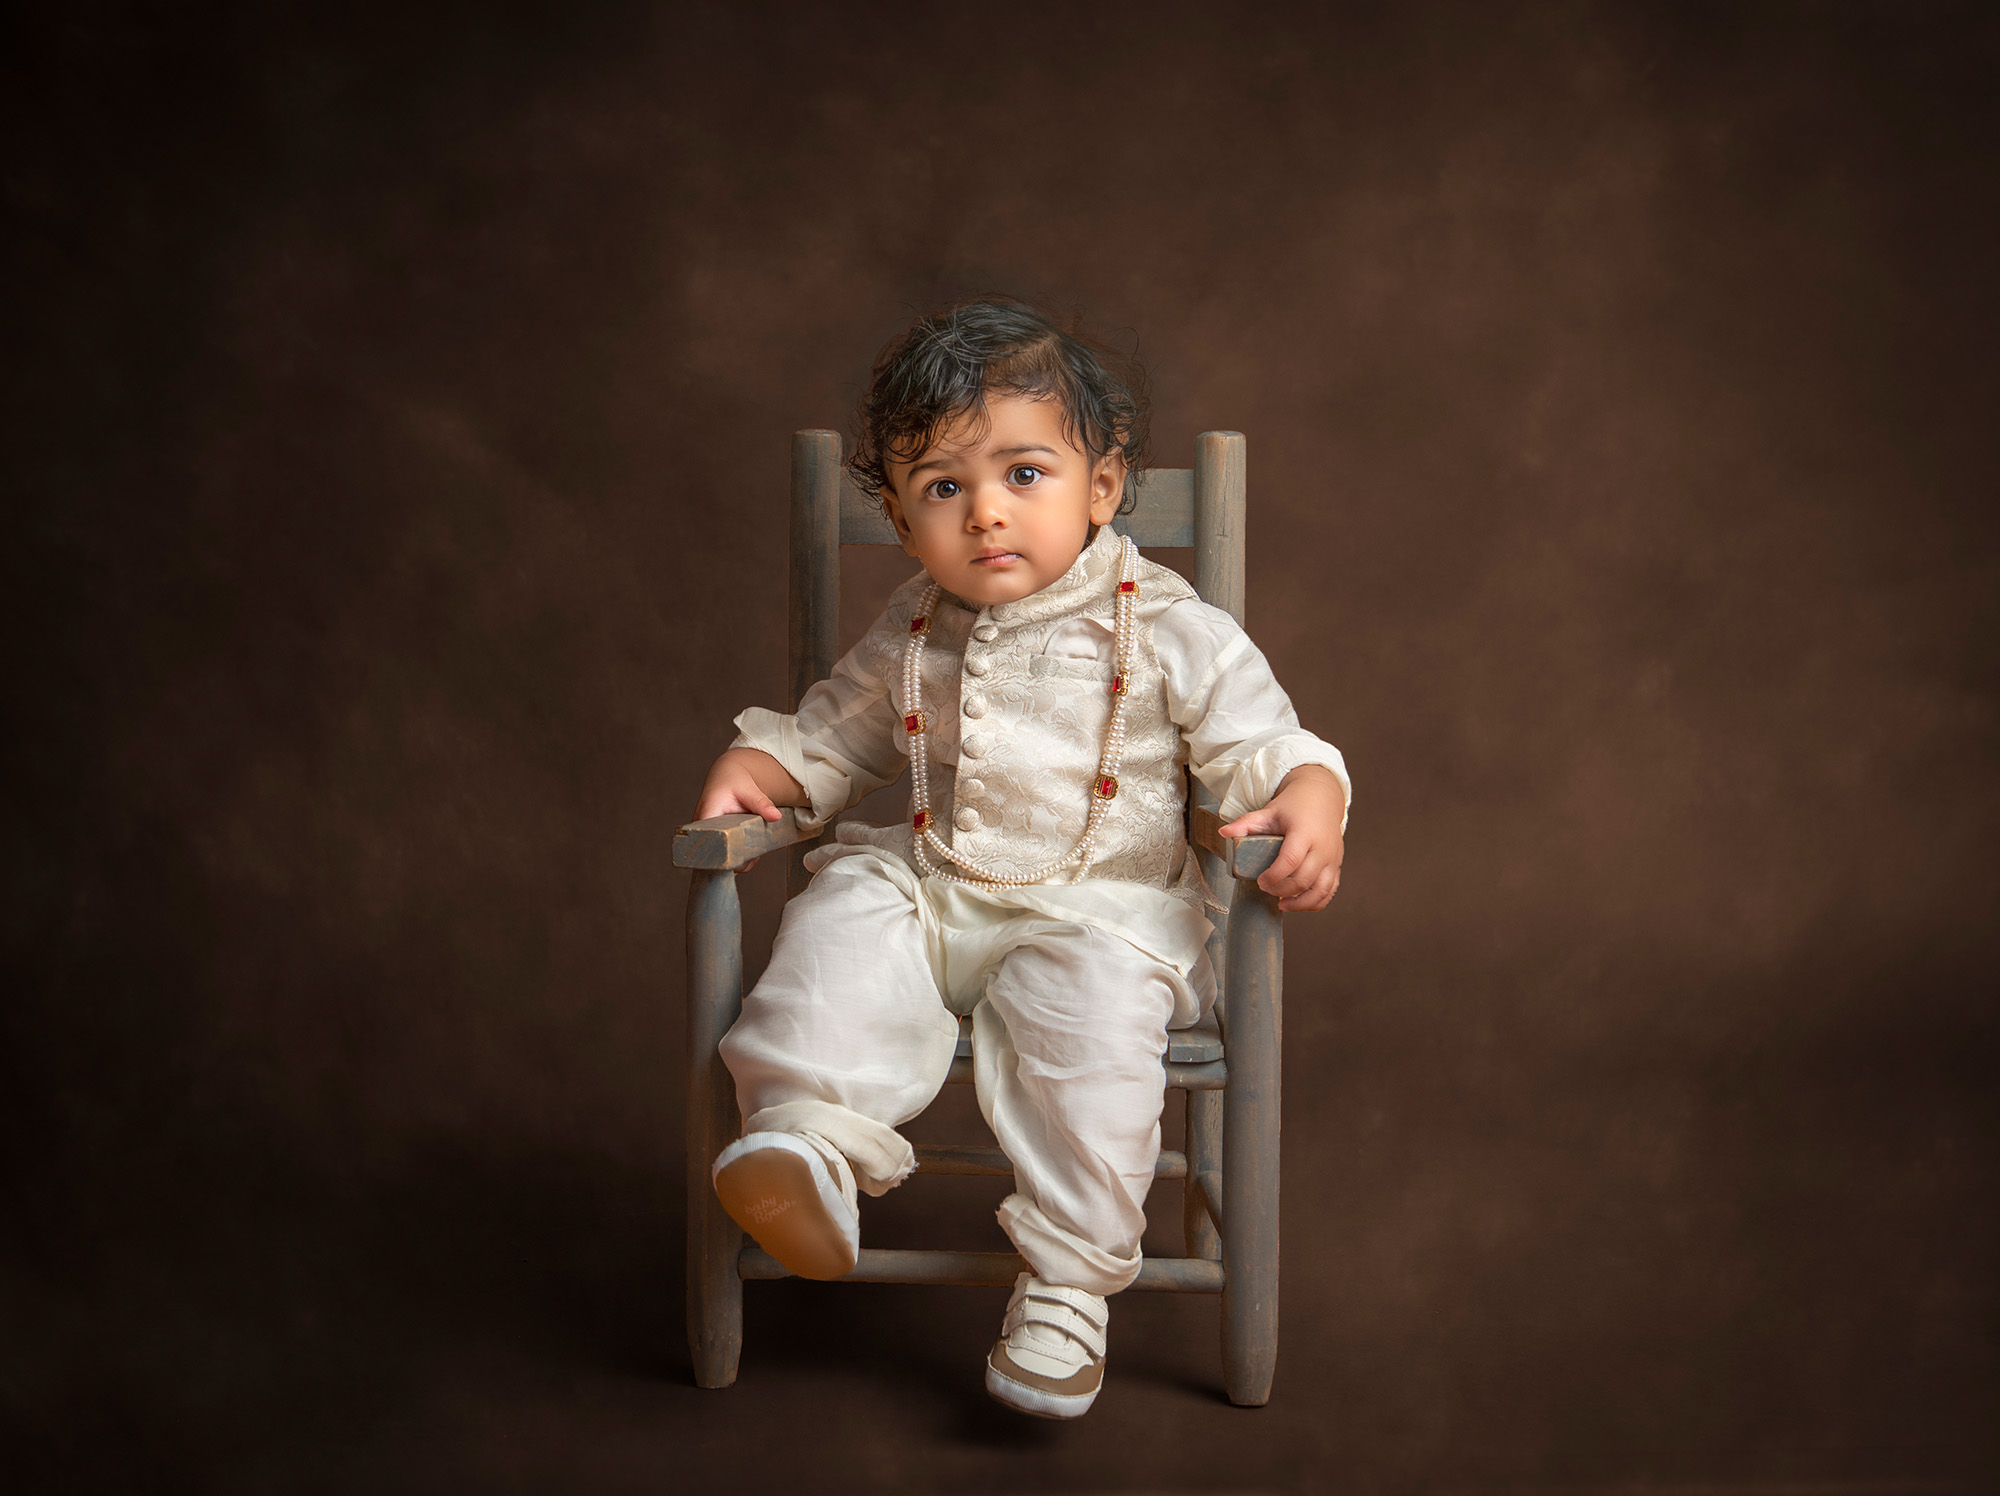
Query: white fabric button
[(970, 789), (966, 818), (976, 665), (986, 633), (974, 748), (975, 706)]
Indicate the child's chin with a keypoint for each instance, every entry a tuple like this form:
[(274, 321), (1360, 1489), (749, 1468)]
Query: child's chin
[(1009, 587)]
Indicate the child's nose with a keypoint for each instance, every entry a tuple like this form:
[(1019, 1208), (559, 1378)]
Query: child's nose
[(989, 505)]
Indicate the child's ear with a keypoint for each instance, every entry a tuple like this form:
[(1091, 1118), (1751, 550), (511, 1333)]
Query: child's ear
[(893, 507), (1107, 487)]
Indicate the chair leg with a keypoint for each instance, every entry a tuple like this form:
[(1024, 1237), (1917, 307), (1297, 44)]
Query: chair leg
[(1251, 1027), (714, 1241), (1204, 1156)]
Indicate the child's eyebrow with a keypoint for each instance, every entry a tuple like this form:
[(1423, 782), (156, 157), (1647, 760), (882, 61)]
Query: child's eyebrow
[(938, 462)]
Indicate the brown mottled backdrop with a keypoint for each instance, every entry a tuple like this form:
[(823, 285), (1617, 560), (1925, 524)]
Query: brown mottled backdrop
[(396, 431)]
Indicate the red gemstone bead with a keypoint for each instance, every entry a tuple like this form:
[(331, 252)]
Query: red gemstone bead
[(1117, 685), (1106, 786), (914, 723), (1128, 586), (919, 624), (921, 820)]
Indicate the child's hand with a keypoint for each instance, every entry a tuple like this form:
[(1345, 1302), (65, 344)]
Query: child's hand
[(1306, 811), (743, 781), (748, 781)]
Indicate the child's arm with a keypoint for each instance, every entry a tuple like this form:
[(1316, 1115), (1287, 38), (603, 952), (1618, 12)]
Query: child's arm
[(1246, 746), (843, 741), (1307, 811)]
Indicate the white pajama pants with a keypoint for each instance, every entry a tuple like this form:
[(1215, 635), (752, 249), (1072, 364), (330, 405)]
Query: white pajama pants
[(850, 1032)]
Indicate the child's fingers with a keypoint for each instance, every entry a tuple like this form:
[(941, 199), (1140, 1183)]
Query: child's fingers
[(1276, 879), (1282, 876), (1317, 896), (737, 799), (1293, 863), (1255, 823), (1315, 878)]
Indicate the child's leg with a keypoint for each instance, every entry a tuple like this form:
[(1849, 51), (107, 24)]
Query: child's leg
[(1071, 1041), (845, 1035)]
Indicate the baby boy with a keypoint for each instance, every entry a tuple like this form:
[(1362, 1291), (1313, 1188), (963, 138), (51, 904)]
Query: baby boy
[(1046, 688)]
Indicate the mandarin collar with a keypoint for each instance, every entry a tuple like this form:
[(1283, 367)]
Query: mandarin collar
[(1085, 578)]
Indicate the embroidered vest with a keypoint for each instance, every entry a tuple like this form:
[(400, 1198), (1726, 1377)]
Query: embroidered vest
[(1012, 766)]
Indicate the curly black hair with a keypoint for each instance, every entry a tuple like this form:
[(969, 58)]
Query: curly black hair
[(947, 364)]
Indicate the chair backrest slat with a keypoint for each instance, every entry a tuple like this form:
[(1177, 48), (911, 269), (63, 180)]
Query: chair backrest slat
[(1220, 508), (814, 594), (862, 521), (1164, 514)]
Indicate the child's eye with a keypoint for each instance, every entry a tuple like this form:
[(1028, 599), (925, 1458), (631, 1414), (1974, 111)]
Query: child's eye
[(1024, 475), (943, 488)]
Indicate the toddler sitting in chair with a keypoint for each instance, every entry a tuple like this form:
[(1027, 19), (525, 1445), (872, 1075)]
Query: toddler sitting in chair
[(1044, 685)]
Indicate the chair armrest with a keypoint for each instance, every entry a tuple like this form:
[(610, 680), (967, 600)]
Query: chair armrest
[(1244, 856), (722, 844)]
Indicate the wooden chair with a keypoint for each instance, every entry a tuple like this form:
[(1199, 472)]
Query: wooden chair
[(1228, 1067)]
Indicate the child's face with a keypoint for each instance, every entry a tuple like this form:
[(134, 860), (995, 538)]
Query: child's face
[(996, 515)]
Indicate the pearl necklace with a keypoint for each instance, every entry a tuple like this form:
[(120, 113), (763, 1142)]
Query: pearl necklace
[(1103, 787)]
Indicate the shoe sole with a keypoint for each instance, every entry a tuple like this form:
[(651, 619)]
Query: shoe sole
[(1034, 1401), (772, 1194)]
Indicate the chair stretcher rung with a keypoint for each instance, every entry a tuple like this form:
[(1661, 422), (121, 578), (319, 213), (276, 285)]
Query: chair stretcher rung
[(1188, 1046), (1208, 1075), (984, 1159), (988, 1270), (1212, 1075)]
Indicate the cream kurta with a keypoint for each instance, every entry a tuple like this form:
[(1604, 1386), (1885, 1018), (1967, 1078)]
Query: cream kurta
[(1011, 766), (1072, 984)]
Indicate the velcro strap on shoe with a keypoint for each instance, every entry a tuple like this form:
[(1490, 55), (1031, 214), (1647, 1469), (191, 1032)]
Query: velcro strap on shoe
[(1059, 1315), (1084, 1302)]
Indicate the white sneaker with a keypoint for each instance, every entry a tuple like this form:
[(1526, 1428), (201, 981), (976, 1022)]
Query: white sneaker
[(1049, 1359), (793, 1192)]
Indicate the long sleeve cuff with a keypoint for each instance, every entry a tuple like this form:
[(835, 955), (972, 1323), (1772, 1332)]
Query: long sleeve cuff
[(1253, 782)]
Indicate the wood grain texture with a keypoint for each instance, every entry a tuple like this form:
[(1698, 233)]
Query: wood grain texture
[(987, 1160), (1206, 1075), (989, 1270), (1164, 512), (1212, 1076), (1189, 1046), (725, 843), (715, 997), (1206, 1187), (1199, 1216), (814, 592), (862, 520), (1220, 507), (1252, 1033)]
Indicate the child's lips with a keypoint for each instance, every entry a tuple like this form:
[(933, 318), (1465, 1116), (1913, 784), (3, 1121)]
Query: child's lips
[(995, 558)]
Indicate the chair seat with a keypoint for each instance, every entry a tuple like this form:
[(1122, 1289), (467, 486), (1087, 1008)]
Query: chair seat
[(1188, 1046)]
